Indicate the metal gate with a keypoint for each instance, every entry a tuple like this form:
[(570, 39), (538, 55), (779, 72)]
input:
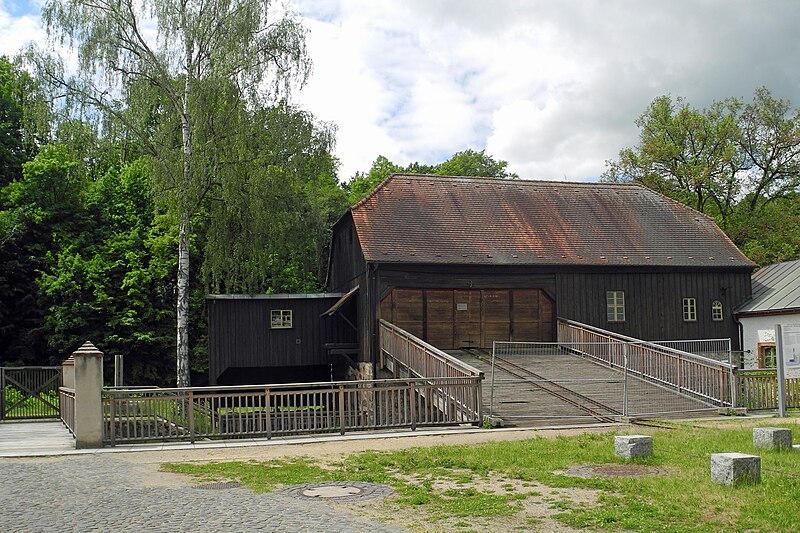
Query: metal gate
[(29, 392)]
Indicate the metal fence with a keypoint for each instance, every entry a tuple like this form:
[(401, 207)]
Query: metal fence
[(137, 415), (29, 392), (559, 381)]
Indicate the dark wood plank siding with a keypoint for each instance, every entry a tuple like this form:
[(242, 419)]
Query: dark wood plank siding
[(654, 301), (347, 265), (240, 333)]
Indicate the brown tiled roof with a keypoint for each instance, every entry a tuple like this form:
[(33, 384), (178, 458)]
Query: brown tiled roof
[(456, 220)]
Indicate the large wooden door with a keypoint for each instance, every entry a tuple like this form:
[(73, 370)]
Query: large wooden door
[(408, 312), (439, 310), (495, 316), (471, 318), (467, 319)]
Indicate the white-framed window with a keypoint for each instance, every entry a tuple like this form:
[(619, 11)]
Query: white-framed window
[(689, 310), (716, 311), (615, 306), (280, 319)]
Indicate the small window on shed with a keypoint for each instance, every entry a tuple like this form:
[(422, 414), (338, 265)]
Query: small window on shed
[(615, 306), (716, 311), (689, 310), (280, 319)]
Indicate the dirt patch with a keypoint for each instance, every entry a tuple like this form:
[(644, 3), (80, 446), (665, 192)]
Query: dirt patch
[(613, 470)]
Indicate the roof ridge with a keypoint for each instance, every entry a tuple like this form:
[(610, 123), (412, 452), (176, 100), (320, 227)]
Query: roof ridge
[(497, 179)]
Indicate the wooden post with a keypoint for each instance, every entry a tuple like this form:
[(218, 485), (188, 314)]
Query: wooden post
[(269, 413), (112, 423), (190, 413), (413, 400), (341, 409)]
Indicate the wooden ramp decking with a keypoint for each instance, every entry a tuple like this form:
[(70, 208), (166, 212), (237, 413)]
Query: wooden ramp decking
[(554, 386)]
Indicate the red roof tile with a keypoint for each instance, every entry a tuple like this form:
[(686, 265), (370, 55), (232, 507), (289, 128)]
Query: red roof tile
[(457, 220)]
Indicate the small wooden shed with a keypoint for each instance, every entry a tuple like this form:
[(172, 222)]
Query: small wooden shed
[(276, 338)]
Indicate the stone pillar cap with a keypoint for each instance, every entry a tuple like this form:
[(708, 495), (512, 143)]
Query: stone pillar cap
[(69, 361), (87, 349)]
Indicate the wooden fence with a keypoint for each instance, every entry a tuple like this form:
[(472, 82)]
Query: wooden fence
[(404, 354), (137, 415), (29, 392), (700, 377), (758, 389), (422, 359)]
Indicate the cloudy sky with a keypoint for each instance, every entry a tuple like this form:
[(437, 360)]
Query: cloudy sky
[(553, 87)]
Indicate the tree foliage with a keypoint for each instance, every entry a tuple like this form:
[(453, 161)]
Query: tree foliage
[(466, 163), (735, 161), (270, 224), (180, 93)]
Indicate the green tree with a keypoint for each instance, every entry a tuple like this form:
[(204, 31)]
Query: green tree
[(362, 183), (472, 163), (737, 162), (466, 163), (770, 144), (269, 224), (688, 154), (207, 62), (44, 208)]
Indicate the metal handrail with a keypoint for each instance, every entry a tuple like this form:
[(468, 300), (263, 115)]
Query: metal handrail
[(631, 340)]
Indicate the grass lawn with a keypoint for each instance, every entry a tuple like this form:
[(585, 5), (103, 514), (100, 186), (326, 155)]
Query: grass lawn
[(519, 484)]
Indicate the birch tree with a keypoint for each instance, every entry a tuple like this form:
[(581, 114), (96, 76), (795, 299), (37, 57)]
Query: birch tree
[(176, 74)]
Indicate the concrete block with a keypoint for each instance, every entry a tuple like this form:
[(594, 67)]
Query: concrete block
[(735, 469), (633, 446), (493, 421), (772, 438)]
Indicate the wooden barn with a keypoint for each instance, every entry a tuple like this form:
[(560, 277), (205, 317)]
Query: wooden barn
[(462, 262)]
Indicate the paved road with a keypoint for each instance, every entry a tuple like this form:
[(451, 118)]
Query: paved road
[(104, 492)]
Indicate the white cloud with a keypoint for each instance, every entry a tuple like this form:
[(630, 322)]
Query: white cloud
[(552, 87), (17, 32)]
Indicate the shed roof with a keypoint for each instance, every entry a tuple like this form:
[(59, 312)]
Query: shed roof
[(466, 220), (775, 288)]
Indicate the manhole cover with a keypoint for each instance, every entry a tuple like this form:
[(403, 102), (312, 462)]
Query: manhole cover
[(337, 491), (218, 485)]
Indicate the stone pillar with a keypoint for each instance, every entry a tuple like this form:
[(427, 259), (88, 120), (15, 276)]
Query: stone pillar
[(68, 373), (88, 397)]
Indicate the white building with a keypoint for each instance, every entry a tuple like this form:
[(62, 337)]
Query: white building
[(776, 300)]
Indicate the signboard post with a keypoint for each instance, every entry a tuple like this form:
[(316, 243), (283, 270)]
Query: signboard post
[(787, 344)]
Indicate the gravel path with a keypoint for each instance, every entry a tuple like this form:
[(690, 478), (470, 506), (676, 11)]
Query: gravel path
[(103, 492)]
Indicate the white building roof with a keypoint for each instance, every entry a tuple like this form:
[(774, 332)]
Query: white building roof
[(775, 288)]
